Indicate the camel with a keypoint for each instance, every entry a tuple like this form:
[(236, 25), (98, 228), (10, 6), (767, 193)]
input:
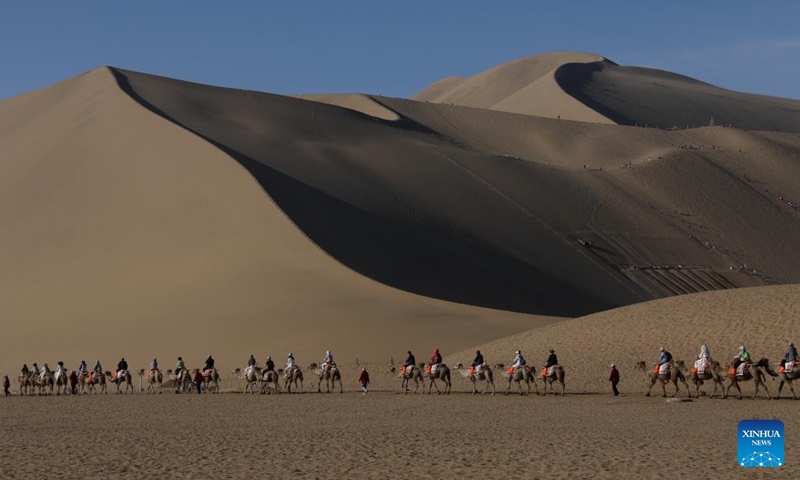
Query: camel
[(154, 381), (788, 378), (209, 377), (270, 377), (673, 375), (484, 375), (92, 380), (183, 381), (45, 381), (61, 382), (330, 376), (713, 373), (524, 374), (556, 376), (442, 373), (413, 372), (293, 379), (124, 376), (755, 372), (252, 376), (27, 384)]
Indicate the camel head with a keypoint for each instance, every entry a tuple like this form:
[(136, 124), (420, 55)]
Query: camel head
[(458, 366), (641, 366), (313, 366), (140, 372), (499, 366), (280, 370), (421, 365), (391, 369)]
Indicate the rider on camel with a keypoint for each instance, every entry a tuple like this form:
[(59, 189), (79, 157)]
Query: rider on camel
[(476, 364), (791, 357), (25, 370), (153, 367), (35, 369), (436, 359), (269, 365), (290, 364), (251, 362), (664, 358), (209, 364), (179, 367), (98, 369), (410, 362), (122, 365), (328, 361), (552, 360), (742, 357), (519, 361), (60, 368)]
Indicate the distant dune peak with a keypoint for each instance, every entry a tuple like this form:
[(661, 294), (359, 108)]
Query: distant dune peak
[(591, 88)]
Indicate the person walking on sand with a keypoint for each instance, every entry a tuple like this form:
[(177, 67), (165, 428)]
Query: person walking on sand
[(6, 385), (363, 379), (614, 379), (198, 380)]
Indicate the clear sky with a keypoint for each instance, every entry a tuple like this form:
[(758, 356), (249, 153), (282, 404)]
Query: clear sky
[(392, 47)]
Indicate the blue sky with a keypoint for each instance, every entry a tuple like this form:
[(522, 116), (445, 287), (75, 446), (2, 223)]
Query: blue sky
[(391, 47)]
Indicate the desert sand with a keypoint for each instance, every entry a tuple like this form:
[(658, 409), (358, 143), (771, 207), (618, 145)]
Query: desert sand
[(527, 207)]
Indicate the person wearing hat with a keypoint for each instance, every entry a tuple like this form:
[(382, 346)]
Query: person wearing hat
[(328, 362), (742, 357), (614, 379), (552, 359), (519, 361)]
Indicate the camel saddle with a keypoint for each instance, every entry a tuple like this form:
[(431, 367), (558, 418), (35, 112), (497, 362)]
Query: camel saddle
[(741, 369), (788, 366)]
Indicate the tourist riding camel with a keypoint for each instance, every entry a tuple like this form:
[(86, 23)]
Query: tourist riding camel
[(477, 364), (742, 357), (83, 368), (328, 362), (552, 361), (251, 362), (153, 367), (519, 362), (703, 360), (25, 370), (790, 359), (60, 368), (290, 365), (35, 369), (209, 365), (270, 365), (436, 359), (179, 367), (98, 369), (664, 362), (122, 365), (410, 362)]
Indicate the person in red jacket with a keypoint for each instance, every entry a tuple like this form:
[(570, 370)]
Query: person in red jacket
[(614, 379), (198, 380), (363, 379)]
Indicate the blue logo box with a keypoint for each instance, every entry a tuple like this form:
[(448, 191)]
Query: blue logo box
[(761, 443)]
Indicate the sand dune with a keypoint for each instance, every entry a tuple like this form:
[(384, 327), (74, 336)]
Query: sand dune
[(128, 235), (590, 88), (200, 220), (764, 319)]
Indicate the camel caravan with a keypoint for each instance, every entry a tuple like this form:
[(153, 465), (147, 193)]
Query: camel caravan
[(704, 370), (520, 377)]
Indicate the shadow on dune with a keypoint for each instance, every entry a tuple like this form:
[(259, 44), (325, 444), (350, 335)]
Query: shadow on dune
[(411, 256)]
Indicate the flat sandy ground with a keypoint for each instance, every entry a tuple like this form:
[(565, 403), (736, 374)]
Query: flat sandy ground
[(382, 435)]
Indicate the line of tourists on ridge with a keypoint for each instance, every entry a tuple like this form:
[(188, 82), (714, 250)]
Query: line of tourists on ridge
[(477, 364), (703, 361)]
